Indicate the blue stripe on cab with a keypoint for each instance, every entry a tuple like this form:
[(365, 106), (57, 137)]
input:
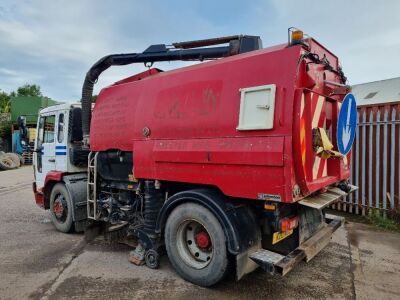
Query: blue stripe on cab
[(61, 147), (61, 153)]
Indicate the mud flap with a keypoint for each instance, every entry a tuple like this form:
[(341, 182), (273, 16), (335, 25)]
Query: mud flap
[(244, 265), (76, 185)]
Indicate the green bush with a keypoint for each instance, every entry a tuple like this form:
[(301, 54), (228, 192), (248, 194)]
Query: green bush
[(5, 129), (394, 214), (389, 222)]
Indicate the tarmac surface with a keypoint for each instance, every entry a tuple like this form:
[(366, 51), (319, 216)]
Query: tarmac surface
[(37, 262)]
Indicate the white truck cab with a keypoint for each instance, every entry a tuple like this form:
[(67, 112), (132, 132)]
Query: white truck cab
[(53, 142), (58, 160)]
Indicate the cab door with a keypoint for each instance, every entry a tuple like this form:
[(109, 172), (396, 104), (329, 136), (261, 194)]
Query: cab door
[(45, 158)]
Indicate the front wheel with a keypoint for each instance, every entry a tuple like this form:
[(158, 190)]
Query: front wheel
[(61, 208), (195, 243)]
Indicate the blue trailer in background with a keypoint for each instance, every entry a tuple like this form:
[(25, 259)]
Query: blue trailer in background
[(16, 143)]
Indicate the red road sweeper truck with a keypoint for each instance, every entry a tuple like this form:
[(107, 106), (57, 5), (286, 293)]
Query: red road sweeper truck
[(226, 164)]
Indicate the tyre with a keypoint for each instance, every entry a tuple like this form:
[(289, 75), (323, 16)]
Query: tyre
[(6, 163), (61, 208), (195, 243), (14, 157)]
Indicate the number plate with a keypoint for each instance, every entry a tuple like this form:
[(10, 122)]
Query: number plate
[(279, 236)]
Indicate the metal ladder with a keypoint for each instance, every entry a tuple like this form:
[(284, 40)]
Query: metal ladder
[(91, 186)]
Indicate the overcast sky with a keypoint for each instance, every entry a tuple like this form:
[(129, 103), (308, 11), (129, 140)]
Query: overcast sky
[(53, 43)]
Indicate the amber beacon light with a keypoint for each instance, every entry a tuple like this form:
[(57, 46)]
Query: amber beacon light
[(295, 36)]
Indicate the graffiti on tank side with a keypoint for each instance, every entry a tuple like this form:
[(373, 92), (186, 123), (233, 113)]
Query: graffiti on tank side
[(186, 103)]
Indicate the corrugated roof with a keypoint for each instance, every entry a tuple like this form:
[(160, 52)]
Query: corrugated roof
[(382, 91)]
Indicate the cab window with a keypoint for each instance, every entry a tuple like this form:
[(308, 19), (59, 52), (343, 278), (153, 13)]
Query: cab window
[(60, 133), (40, 131), (49, 122)]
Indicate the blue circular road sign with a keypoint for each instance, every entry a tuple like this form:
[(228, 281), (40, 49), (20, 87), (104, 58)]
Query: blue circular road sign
[(347, 124)]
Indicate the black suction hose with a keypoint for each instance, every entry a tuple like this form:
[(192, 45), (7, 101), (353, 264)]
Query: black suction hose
[(87, 91), (124, 59), (237, 44)]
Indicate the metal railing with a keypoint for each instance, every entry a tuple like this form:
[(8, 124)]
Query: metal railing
[(375, 166)]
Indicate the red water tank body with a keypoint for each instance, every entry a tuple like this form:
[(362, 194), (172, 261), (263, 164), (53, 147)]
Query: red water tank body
[(182, 125)]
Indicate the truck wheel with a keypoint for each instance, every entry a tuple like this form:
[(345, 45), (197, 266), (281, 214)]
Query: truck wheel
[(195, 243), (152, 259), (61, 208)]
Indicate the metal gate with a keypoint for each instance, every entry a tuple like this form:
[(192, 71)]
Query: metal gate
[(375, 166)]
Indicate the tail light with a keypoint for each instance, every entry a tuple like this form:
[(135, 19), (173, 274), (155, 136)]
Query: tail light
[(288, 223)]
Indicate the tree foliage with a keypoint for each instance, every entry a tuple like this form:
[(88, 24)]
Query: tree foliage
[(5, 107), (5, 129), (32, 90), (29, 90), (5, 102)]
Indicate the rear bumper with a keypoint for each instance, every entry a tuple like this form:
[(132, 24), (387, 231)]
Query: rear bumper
[(275, 263), (39, 198)]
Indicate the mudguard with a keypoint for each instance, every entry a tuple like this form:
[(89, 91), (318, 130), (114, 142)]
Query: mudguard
[(238, 221), (76, 185)]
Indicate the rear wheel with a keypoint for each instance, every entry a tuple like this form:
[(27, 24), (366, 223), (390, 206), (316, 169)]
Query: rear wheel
[(61, 208), (195, 243)]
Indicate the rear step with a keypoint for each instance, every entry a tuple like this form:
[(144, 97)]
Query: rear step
[(327, 198), (275, 263)]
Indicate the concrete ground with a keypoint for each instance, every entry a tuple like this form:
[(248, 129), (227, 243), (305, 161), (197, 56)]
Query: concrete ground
[(37, 262)]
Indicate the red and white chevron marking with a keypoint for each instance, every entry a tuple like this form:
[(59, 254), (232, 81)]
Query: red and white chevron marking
[(318, 113)]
